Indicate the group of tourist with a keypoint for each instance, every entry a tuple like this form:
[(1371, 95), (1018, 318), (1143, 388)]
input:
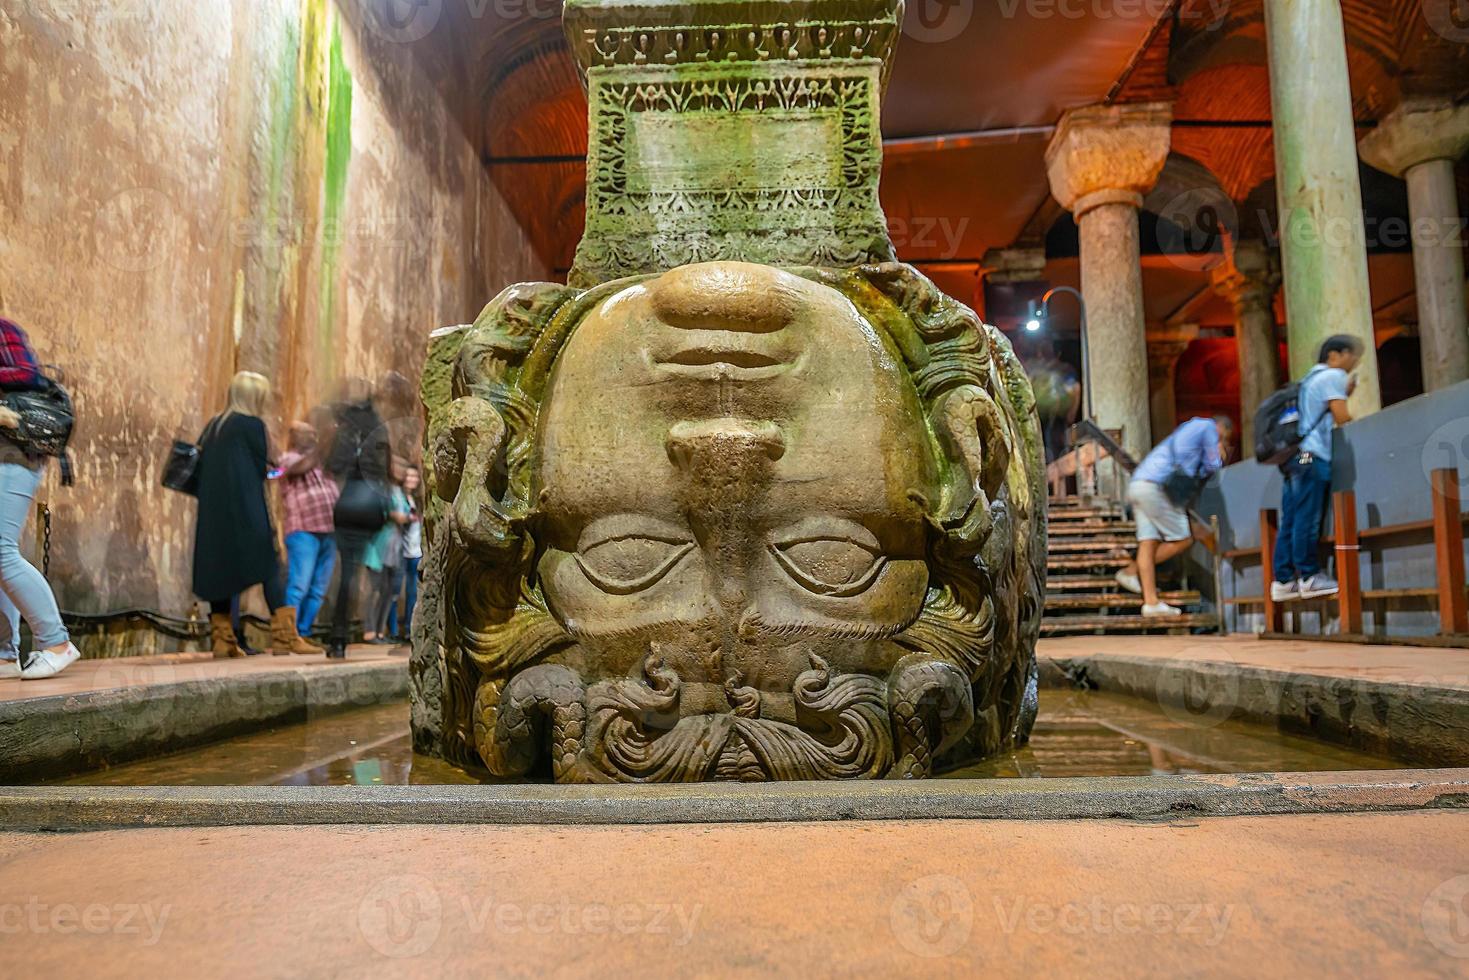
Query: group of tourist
[(349, 503), (351, 507), (1171, 475)]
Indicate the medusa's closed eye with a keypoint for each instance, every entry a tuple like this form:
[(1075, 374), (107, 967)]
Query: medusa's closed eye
[(623, 560), (839, 563)]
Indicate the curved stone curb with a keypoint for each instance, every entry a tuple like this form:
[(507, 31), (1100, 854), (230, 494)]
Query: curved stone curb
[(1146, 797), (51, 737)]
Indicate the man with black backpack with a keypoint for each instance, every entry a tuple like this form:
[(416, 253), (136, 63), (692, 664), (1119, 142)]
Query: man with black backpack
[(1321, 404)]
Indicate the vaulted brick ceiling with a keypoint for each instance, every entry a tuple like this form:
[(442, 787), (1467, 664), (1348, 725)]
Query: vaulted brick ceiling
[(994, 68)]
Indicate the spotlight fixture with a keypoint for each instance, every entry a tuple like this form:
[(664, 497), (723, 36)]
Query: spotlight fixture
[(1037, 317)]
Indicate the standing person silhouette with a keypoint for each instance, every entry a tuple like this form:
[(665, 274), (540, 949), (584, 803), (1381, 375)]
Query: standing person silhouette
[(234, 543), (359, 460)]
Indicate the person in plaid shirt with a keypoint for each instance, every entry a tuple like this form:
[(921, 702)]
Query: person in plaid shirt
[(18, 368), (308, 496)]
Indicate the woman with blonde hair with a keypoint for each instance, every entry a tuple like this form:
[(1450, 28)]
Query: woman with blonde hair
[(234, 544)]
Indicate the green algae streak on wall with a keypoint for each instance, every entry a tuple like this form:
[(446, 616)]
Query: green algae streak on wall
[(338, 158), (178, 192)]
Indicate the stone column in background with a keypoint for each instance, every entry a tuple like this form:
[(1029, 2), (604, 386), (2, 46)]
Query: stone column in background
[(1249, 279), (1419, 142), (1164, 350), (1323, 236), (1101, 162)]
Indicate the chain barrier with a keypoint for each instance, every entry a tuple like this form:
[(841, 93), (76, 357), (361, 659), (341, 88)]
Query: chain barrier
[(46, 540)]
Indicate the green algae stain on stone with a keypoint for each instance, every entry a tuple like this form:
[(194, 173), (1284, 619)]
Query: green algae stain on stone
[(338, 161), (282, 144)]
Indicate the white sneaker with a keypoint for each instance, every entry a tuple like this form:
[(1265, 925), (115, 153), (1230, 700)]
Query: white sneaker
[(1319, 586), (1285, 591), (1162, 609), (1129, 581), (9, 669), (47, 664)]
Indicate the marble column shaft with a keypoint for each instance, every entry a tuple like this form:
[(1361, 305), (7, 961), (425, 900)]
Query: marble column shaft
[(1250, 281), (1100, 163), (1163, 354), (1323, 234), (1419, 142)]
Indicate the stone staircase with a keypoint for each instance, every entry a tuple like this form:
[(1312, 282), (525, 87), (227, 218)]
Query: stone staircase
[(1089, 542)]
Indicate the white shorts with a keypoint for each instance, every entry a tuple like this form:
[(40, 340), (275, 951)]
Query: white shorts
[(1158, 518)]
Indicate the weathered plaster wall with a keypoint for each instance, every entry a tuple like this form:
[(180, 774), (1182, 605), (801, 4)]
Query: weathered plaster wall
[(193, 187)]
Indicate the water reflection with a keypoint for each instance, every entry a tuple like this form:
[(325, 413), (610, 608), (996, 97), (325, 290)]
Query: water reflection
[(1078, 734)]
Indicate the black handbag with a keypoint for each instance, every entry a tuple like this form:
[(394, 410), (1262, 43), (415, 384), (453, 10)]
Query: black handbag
[(47, 419), (1181, 488), (181, 468), (364, 504)]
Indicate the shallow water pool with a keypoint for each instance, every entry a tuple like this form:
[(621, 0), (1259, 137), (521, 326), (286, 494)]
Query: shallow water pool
[(1078, 733)]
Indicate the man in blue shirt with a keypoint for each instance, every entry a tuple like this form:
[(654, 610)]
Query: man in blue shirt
[(1323, 405), (1197, 449)]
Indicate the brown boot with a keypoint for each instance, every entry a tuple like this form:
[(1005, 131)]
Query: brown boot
[(226, 647), (284, 640)]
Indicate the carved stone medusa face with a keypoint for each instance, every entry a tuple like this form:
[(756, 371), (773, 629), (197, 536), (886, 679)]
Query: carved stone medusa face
[(734, 522), (733, 467)]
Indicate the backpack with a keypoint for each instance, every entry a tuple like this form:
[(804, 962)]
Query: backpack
[(46, 422), (1278, 432)]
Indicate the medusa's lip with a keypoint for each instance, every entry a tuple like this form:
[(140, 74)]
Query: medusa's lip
[(737, 362)]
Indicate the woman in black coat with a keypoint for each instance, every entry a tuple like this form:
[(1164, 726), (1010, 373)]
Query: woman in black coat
[(234, 543)]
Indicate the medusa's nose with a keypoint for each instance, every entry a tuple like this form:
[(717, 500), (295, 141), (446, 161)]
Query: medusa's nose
[(732, 296)]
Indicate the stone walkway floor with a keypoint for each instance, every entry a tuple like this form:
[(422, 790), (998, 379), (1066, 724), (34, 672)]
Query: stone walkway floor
[(1348, 894), (103, 675), (1431, 666)]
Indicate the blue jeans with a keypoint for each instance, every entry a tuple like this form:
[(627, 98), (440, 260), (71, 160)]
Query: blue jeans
[(410, 580), (23, 590), (310, 559), (1302, 505)]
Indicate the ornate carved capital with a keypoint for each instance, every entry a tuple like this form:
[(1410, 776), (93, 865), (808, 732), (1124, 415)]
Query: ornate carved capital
[(1101, 152), (1416, 132), (1165, 348), (1249, 278), (730, 130)]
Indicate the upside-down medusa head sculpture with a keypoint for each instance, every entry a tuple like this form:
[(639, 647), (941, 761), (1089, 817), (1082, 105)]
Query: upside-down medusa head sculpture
[(729, 520)]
